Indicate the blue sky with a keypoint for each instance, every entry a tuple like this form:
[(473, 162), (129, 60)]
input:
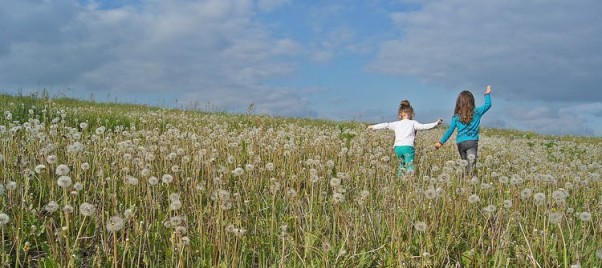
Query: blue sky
[(327, 59)]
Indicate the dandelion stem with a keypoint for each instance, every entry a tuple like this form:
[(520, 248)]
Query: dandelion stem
[(528, 246), (564, 249)]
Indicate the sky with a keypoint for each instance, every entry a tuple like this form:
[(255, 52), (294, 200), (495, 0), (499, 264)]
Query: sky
[(325, 59)]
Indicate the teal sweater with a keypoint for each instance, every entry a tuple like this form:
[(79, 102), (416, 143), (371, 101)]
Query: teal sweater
[(467, 132)]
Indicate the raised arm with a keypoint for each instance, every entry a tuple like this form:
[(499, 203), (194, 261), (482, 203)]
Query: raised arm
[(485, 107)]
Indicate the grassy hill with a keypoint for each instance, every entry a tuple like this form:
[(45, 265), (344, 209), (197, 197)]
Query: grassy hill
[(87, 184)]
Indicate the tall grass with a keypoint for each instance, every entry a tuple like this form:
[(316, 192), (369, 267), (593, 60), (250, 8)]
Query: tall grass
[(152, 187)]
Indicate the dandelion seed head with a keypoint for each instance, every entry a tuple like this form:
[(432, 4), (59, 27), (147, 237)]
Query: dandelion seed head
[(473, 198), (444, 177), (335, 182), (249, 167), (430, 193), (131, 180), (507, 203), (100, 130), (176, 221), (174, 196), (434, 169), (4, 219), (145, 172), (558, 195), (114, 224), (87, 209), (68, 209), (128, 213), (330, 164), (167, 178), (292, 193), (175, 168), (570, 210), (238, 172), (239, 231), (52, 206), (420, 226), (269, 166), (526, 193), (181, 230), (175, 205), (516, 180), (489, 209), (39, 168), (585, 216), (62, 170), (85, 166), (153, 180), (11, 185), (555, 217), (64, 181), (338, 198), (599, 253), (539, 198)]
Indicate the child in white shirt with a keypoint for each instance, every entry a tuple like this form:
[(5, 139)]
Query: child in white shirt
[(405, 133)]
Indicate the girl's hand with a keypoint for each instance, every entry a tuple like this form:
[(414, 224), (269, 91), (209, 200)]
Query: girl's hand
[(488, 90), (438, 145)]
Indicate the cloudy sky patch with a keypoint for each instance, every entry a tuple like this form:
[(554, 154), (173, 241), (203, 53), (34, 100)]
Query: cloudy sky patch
[(317, 59)]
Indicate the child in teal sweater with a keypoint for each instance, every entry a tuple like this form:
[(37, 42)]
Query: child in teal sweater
[(466, 120)]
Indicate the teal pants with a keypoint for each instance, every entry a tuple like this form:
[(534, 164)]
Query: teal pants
[(405, 153)]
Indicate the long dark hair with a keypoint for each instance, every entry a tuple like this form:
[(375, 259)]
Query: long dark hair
[(465, 106)]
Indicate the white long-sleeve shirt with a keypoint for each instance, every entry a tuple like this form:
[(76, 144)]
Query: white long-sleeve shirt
[(405, 130)]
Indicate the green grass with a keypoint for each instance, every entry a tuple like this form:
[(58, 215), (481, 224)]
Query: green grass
[(262, 191)]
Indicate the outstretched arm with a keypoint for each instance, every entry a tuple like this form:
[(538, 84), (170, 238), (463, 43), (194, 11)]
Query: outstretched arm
[(379, 126), (419, 126)]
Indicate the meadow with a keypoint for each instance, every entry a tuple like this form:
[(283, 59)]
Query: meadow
[(86, 184)]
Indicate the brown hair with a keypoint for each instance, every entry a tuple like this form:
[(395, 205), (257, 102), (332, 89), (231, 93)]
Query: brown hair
[(405, 108), (465, 106)]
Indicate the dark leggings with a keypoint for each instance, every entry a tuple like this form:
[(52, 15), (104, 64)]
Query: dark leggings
[(467, 148)]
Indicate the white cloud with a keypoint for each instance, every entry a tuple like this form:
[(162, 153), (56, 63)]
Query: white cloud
[(550, 120), (182, 47), (536, 50), (594, 108)]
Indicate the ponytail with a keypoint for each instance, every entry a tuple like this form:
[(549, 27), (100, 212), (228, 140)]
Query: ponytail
[(405, 108)]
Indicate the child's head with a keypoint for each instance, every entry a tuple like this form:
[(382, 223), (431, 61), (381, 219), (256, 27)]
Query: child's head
[(465, 106), (405, 110)]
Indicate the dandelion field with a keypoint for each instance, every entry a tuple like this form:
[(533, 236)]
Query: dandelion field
[(84, 184)]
